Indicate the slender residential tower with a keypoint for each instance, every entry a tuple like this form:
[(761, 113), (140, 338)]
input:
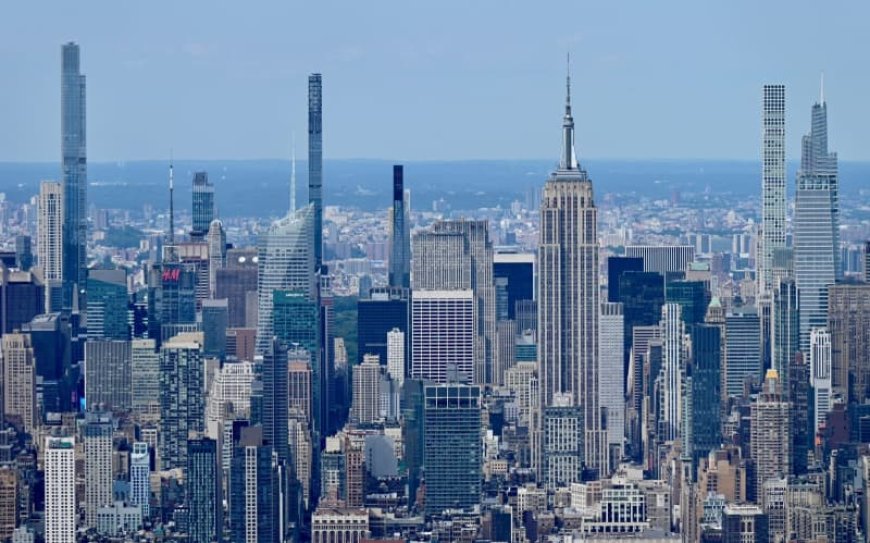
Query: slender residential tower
[(75, 173), (400, 250), (816, 225), (568, 299), (315, 162), (773, 202)]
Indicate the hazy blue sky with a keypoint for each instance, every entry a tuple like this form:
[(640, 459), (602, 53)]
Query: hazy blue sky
[(436, 80)]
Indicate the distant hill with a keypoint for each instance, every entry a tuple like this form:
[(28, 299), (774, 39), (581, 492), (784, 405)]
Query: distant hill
[(261, 187)]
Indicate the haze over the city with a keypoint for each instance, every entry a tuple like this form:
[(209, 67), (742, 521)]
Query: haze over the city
[(439, 81)]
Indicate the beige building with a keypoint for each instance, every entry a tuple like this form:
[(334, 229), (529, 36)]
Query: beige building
[(339, 525), (19, 380)]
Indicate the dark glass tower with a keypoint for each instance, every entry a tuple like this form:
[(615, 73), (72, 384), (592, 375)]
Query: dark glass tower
[(452, 455), (275, 399), (642, 295), (692, 297), (203, 490), (616, 266), (75, 173), (704, 385), (400, 250), (203, 205), (387, 309), (315, 161)]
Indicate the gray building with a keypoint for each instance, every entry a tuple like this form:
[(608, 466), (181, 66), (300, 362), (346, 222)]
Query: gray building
[(202, 201), (400, 249), (315, 163), (108, 375), (568, 292), (182, 401), (773, 193), (742, 351), (662, 258)]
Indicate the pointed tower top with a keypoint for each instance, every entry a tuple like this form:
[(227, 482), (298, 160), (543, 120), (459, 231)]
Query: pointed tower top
[(293, 177), (569, 157), (822, 89)]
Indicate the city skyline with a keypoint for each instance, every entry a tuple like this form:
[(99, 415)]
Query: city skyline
[(199, 80)]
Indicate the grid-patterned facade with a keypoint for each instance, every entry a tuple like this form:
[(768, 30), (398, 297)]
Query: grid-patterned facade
[(442, 329), (60, 490), (75, 173), (773, 192)]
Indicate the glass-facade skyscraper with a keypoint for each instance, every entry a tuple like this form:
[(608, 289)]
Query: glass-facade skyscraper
[(75, 173), (315, 162), (400, 249), (202, 201), (816, 226), (773, 193)]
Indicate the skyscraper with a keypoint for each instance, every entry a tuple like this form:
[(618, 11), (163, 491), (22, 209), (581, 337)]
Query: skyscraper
[(820, 376), (816, 225), (108, 375), (400, 248), (773, 193), (75, 173), (60, 490), (98, 464), (254, 509), (742, 351), (182, 402), (562, 447), (315, 163), (616, 266), (442, 338), (784, 340), (202, 201), (19, 381), (662, 258), (702, 390), (673, 332), (568, 305), (611, 379), (140, 478), (771, 440), (453, 454), (286, 261), (49, 241), (366, 391), (276, 399), (396, 355), (203, 489), (849, 326), (107, 304)]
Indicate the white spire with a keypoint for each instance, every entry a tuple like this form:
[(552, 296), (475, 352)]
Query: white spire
[(171, 203), (569, 157), (822, 89), (293, 177)]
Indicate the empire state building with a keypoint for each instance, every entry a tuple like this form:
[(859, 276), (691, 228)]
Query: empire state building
[(568, 299)]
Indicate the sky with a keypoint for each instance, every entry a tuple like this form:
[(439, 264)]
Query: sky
[(447, 80)]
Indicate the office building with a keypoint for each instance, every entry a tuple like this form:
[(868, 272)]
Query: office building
[(816, 226), (118, 519), (703, 389), (315, 165), (108, 375), (98, 430), (771, 439), (140, 478), (49, 239), (214, 328), (107, 304), (453, 454), (400, 233), (182, 402), (216, 238), (8, 502), (339, 525), (19, 382), (744, 524), (202, 200), (568, 294), (442, 335), (23, 252), (784, 335), (299, 384), (672, 372), (254, 508), (275, 398), (171, 299), (75, 174), (742, 351), (849, 326), (396, 355), (60, 490), (50, 336), (773, 191), (611, 379), (385, 310), (562, 442), (203, 491), (693, 298), (616, 266), (285, 262), (366, 391), (820, 377), (22, 297), (478, 247), (662, 259), (514, 276), (642, 295), (144, 376), (236, 283)]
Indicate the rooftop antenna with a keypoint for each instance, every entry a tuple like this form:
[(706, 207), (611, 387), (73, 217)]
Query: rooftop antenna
[(293, 177), (822, 89), (171, 203)]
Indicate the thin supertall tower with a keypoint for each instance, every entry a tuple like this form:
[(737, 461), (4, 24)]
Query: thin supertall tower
[(568, 298), (75, 173), (315, 162), (773, 194), (400, 249)]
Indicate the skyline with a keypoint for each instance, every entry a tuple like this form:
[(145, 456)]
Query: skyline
[(492, 71)]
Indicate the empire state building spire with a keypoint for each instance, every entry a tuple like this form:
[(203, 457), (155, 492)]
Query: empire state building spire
[(569, 157)]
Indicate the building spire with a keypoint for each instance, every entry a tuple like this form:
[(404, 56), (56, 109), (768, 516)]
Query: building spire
[(293, 177), (822, 89), (171, 202), (569, 158)]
